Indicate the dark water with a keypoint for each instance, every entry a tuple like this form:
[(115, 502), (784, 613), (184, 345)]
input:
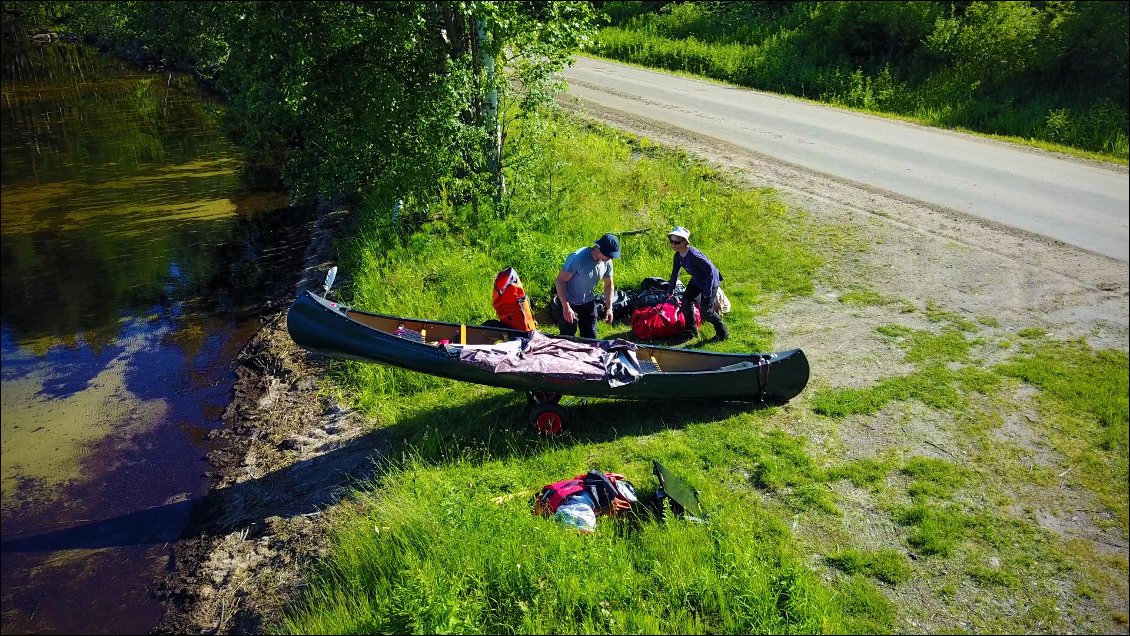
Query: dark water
[(137, 251)]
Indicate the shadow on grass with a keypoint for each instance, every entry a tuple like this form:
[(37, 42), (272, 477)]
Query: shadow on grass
[(494, 424), (499, 423)]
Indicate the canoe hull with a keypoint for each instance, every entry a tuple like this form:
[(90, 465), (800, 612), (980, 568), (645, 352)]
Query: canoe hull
[(324, 327)]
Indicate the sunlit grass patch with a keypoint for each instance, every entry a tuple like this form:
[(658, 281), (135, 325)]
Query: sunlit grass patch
[(934, 477), (402, 563), (950, 345), (864, 298), (994, 576), (933, 386), (935, 313), (936, 382), (934, 530), (890, 566), (1083, 398), (780, 464)]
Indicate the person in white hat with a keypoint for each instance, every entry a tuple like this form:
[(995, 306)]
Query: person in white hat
[(705, 279)]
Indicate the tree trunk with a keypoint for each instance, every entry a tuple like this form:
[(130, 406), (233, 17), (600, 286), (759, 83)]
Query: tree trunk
[(490, 119)]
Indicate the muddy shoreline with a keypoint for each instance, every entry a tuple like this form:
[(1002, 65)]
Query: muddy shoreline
[(285, 453)]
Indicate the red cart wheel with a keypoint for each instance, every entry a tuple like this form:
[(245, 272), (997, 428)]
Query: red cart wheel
[(547, 418)]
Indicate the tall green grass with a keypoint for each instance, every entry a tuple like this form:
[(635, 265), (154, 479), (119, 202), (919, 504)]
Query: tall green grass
[(441, 548)]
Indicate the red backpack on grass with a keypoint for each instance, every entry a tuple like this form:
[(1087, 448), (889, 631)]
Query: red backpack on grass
[(600, 486)]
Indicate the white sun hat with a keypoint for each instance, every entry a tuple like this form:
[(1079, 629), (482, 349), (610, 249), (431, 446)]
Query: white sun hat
[(680, 232)]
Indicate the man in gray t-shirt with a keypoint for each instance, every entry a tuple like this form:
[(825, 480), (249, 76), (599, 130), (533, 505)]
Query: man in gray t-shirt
[(579, 275)]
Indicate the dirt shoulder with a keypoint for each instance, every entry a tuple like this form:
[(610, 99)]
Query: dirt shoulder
[(290, 451)]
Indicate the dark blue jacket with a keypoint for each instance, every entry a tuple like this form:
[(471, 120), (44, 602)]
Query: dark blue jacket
[(704, 274)]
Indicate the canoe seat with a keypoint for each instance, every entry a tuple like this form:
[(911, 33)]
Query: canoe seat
[(650, 366)]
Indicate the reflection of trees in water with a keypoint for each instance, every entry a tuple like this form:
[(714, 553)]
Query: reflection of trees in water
[(70, 113), (123, 198), (127, 217), (58, 284)]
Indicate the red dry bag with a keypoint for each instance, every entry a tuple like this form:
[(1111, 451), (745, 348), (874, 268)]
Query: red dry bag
[(661, 321), (511, 303)]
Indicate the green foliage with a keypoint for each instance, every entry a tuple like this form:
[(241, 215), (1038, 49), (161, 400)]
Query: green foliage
[(386, 100), (1055, 72), (890, 566), (989, 43), (33, 16)]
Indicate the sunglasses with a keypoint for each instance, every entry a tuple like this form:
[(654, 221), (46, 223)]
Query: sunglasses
[(677, 241)]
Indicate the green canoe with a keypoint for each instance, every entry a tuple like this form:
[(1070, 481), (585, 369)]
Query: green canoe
[(332, 329)]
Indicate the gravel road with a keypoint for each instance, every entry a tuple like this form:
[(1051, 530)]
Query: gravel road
[(1081, 203)]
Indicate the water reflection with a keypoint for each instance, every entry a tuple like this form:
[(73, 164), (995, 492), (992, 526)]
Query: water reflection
[(135, 253)]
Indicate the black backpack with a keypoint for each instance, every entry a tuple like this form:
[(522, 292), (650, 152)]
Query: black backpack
[(653, 291)]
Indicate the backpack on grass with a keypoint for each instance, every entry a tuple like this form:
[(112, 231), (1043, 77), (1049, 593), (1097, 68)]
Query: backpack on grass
[(661, 321), (602, 487)]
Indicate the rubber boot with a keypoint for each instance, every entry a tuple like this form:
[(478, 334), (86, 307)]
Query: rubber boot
[(720, 331), (691, 332)]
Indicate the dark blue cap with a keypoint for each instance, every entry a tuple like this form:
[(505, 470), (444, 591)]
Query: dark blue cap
[(609, 245)]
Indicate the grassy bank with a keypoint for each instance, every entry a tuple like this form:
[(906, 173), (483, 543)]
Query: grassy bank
[(803, 537)]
